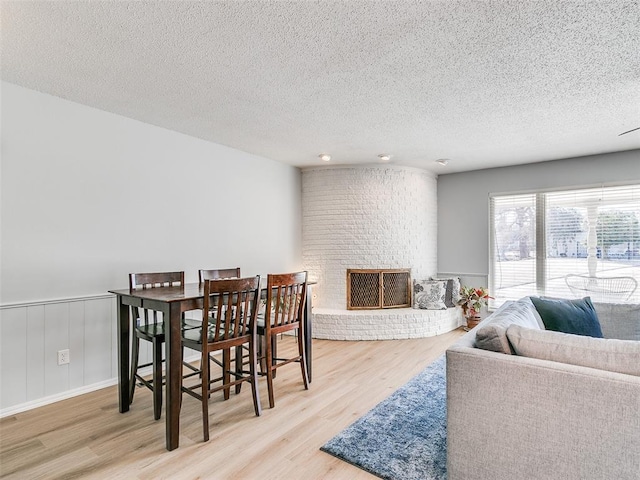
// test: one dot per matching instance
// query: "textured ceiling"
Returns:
(482, 83)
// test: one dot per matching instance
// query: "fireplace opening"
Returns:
(372, 289)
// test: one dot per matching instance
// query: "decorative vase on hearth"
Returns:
(472, 320)
(472, 299)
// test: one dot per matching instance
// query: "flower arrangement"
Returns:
(472, 299)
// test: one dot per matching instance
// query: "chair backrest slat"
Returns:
(153, 280)
(286, 295)
(235, 302)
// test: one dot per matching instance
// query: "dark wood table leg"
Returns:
(173, 346)
(307, 330)
(123, 355)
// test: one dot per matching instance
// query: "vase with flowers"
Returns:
(472, 299)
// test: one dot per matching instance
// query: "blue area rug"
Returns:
(405, 436)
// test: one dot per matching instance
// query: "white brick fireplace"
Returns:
(378, 216)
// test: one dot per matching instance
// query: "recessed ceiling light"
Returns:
(384, 157)
(325, 157)
(442, 161)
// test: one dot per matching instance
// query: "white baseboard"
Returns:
(41, 402)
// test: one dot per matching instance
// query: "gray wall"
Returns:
(463, 202)
(89, 197)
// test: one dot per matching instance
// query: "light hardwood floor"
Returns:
(86, 437)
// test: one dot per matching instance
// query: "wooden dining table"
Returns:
(172, 302)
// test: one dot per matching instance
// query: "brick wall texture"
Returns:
(390, 324)
(366, 217)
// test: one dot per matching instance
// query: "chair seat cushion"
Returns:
(195, 334)
(151, 329)
(260, 323)
(191, 323)
(157, 329)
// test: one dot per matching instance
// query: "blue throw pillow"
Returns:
(569, 316)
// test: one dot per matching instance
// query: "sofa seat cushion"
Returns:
(492, 335)
(622, 356)
(568, 316)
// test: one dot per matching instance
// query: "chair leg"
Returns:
(253, 369)
(269, 372)
(181, 376)
(157, 378)
(274, 352)
(226, 366)
(261, 359)
(205, 396)
(239, 367)
(135, 353)
(303, 360)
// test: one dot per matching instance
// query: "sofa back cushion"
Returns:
(568, 316)
(622, 356)
(619, 320)
(492, 335)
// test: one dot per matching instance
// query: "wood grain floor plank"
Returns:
(86, 437)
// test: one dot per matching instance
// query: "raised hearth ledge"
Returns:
(386, 324)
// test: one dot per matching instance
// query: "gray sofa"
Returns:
(511, 416)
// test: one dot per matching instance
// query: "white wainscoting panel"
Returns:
(13, 370)
(31, 336)
(56, 337)
(34, 351)
(100, 341)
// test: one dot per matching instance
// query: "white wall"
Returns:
(366, 217)
(88, 197)
(463, 202)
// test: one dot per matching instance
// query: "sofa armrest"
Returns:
(515, 417)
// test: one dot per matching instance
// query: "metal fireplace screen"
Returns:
(372, 289)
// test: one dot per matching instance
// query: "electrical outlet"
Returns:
(63, 357)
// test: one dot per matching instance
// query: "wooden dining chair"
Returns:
(148, 327)
(235, 303)
(284, 310)
(221, 274)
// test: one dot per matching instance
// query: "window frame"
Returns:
(541, 261)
